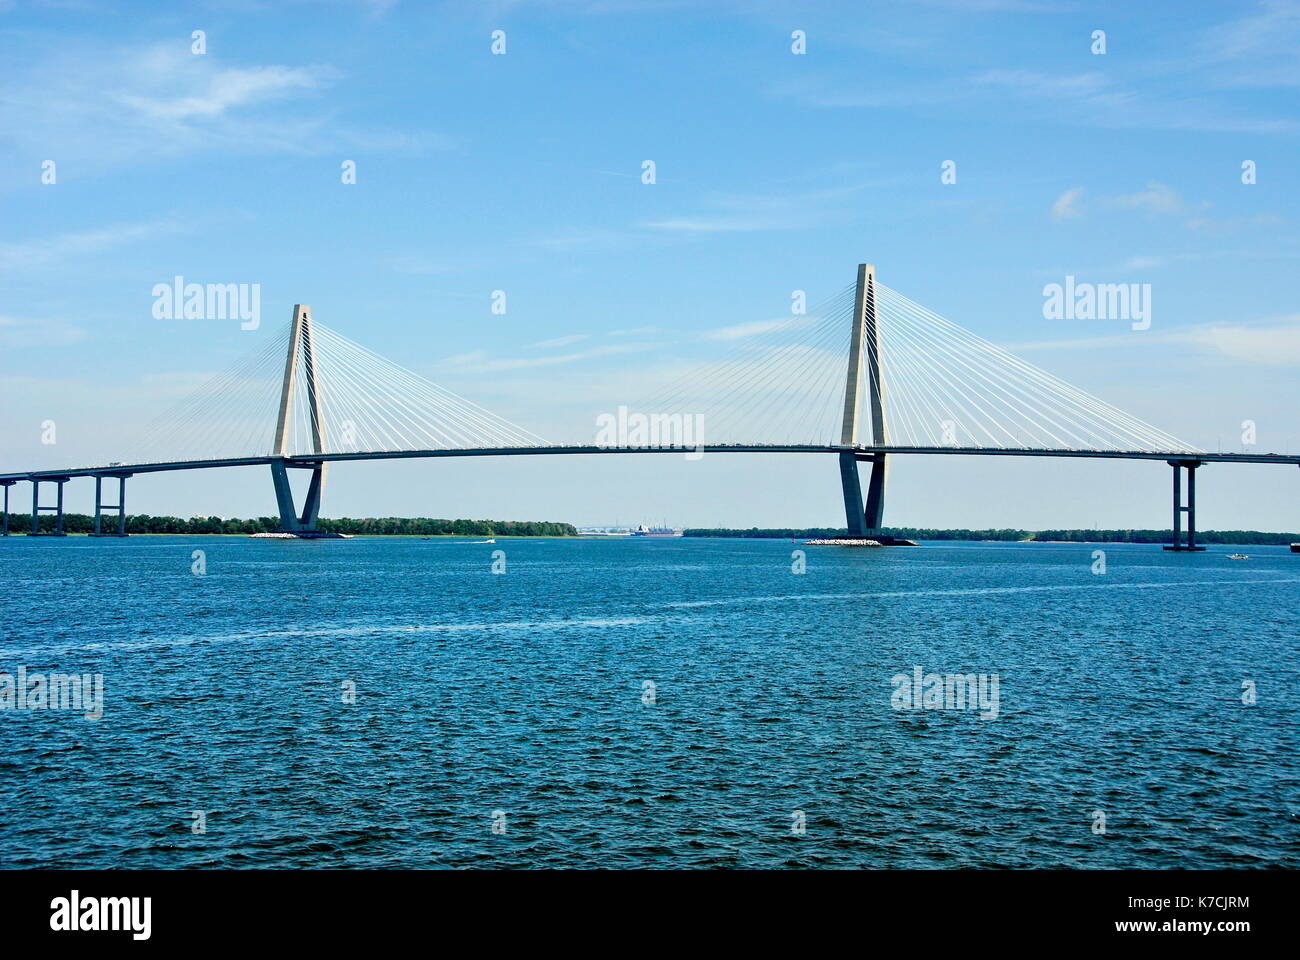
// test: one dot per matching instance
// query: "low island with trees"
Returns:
(140, 523)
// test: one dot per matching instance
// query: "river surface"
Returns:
(665, 703)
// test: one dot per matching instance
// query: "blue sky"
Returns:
(775, 172)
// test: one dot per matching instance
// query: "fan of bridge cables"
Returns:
(783, 382)
(365, 403)
(944, 386)
(369, 403)
(775, 381)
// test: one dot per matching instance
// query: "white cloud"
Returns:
(1067, 204)
(224, 89)
(477, 361)
(1258, 49)
(750, 212)
(58, 249)
(1270, 343)
(1156, 198)
(15, 333)
(92, 109)
(559, 341)
(1096, 99)
(1216, 225)
(741, 331)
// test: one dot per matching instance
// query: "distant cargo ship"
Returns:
(644, 531)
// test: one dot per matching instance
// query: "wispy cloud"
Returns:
(1089, 98)
(559, 341)
(16, 333)
(221, 91)
(88, 108)
(63, 247)
(1067, 206)
(1156, 198)
(478, 361)
(1270, 343)
(727, 213)
(1257, 49)
(742, 331)
(1221, 225)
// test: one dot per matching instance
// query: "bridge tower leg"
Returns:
(1181, 508)
(301, 343)
(864, 364)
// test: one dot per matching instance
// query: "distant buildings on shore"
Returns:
(641, 530)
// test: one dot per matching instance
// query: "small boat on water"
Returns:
(1295, 548)
(493, 540)
(1238, 556)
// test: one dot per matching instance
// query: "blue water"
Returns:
(516, 699)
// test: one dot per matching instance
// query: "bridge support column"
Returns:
(854, 515)
(101, 506)
(1181, 508)
(862, 520)
(290, 520)
(284, 497)
(875, 509)
(57, 510)
(311, 506)
(6, 484)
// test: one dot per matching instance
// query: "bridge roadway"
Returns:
(861, 450)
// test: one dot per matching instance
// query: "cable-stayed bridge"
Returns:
(867, 375)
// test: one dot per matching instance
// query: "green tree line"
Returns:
(366, 526)
(1258, 537)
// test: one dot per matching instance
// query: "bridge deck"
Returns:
(864, 451)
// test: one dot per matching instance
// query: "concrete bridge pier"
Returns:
(291, 521)
(874, 513)
(1181, 508)
(854, 514)
(101, 506)
(6, 484)
(863, 518)
(57, 510)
